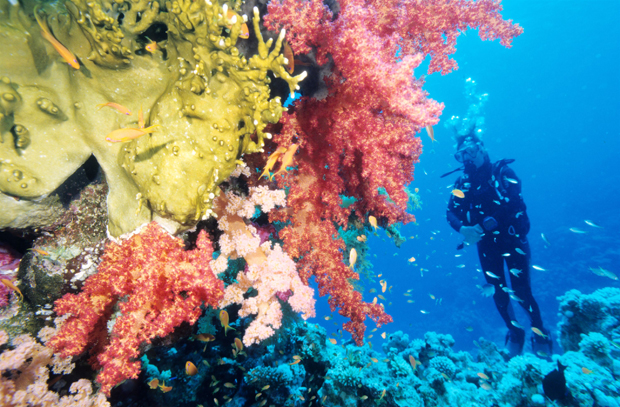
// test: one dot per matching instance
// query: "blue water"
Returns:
(554, 107)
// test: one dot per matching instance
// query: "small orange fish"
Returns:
(271, 161)
(333, 341)
(120, 108)
(414, 363)
(153, 384)
(458, 193)
(245, 31)
(352, 258)
(190, 368)
(229, 385)
(151, 46)
(586, 370)
(375, 360)
(290, 58)
(164, 388)
(224, 321)
(411, 260)
(12, 286)
(265, 387)
(126, 134)
(383, 335)
(140, 118)
(295, 362)
(539, 332)
(61, 49)
(382, 394)
(238, 344)
(373, 221)
(361, 238)
(41, 252)
(486, 386)
(287, 159)
(205, 337)
(431, 133)
(482, 376)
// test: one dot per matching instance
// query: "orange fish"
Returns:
(361, 238)
(153, 384)
(205, 337)
(486, 386)
(12, 286)
(122, 109)
(383, 335)
(586, 370)
(373, 221)
(411, 260)
(245, 31)
(41, 252)
(271, 161)
(190, 368)
(287, 159)
(431, 133)
(61, 49)
(126, 134)
(352, 258)
(414, 363)
(482, 376)
(151, 46)
(238, 344)
(224, 321)
(458, 193)
(539, 332)
(333, 341)
(140, 118)
(164, 388)
(288, 54)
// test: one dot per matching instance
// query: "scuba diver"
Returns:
(487, 208)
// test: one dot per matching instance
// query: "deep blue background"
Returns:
(554, 107)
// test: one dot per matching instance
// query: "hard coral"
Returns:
(210, 102)
(164, 285)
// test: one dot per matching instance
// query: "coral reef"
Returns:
(187, 106)
(585, 313)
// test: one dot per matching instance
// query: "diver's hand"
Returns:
(472, 234)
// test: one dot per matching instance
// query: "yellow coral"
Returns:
(211, 102)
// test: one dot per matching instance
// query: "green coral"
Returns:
(211, 103)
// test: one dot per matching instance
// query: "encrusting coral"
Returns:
(211, 104)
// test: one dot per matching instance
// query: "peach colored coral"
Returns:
(24, 377)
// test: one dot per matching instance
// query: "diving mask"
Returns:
(467, 153)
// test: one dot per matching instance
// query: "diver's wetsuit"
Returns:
(496, 192)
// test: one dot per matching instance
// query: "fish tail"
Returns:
(150, 129)
(41, 23)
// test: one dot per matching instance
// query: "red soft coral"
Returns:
(361, 138)
(161, 285)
